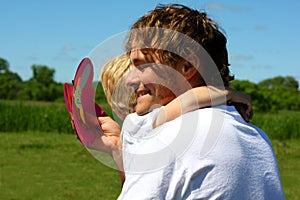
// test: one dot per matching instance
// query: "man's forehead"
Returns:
(150, 37)
(161, 39)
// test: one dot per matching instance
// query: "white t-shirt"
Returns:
(210, 153)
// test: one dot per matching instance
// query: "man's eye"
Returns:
(147, 51)
(143, 67)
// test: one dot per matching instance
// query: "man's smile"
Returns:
(142, 92)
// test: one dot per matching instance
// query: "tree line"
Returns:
(278, 93)
(40, 87)
(273, 94)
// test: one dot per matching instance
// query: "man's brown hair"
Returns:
(194, 24)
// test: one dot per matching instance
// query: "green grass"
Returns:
(288, 155)
(52, 166)
(56, 166)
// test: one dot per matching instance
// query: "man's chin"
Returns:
(141, 112)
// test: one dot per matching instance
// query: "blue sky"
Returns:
(263, 35)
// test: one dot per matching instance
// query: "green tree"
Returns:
(273, 94)
(260, 100)
(10, 82)
(287, 82)
(283, 91)
(4, 66)
(43, 74)
(42, 86)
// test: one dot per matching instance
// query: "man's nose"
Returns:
(133, 78)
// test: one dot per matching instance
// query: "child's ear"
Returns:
(189, 68)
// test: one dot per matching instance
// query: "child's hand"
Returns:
(242, 103)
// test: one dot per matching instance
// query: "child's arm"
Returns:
(201, 97)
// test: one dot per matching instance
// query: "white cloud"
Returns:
(235, 8)
(260, 28)
(240, 57)
(214, 6)
(262, 66)
(68, 48)
(32, 58)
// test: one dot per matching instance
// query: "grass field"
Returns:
(56, 166)
(52, 166)
(288, 155)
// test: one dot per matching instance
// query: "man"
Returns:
(209, 153)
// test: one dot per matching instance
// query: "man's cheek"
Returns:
(150, 78)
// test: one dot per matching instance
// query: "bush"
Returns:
(34, 116)
(54, 117)
(20, 116)
(279, 125)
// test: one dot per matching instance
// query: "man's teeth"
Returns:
(142, 93)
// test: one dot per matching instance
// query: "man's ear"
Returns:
(189, 68)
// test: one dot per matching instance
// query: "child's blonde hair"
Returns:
(120, 97)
